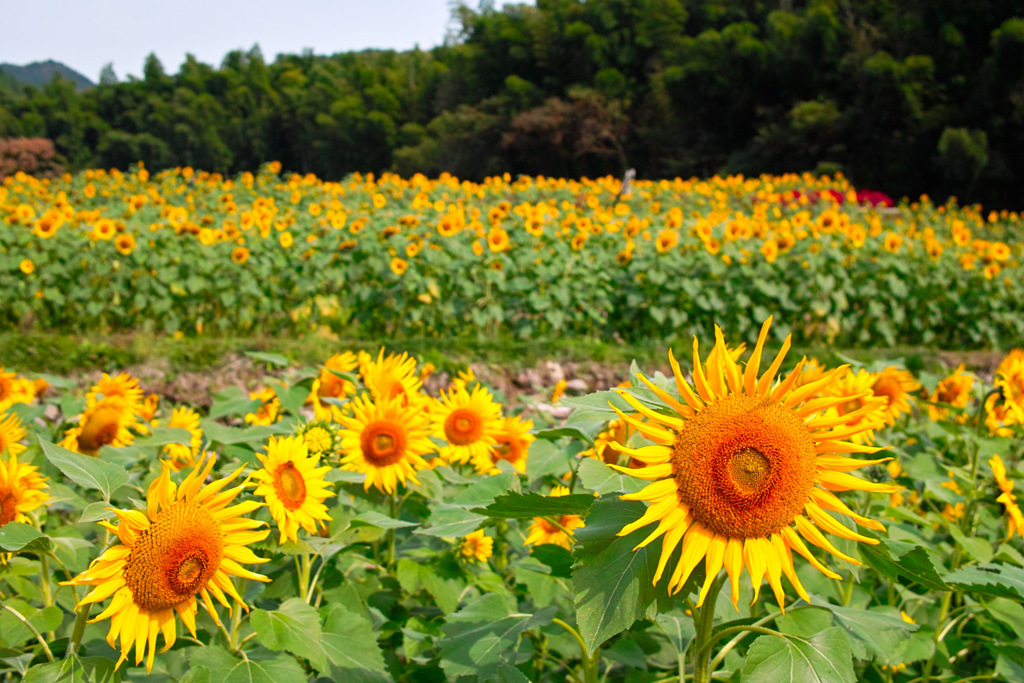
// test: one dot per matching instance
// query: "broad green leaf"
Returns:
(1008, 612)
(824, 658)
(883, 634)
(601, 479)
(352, 647)
(163, 436)
(232, 401)
(895, 558)
(529, 505)
(557, 558)
(90, 473)
(977, 548)
(547, 458)
(293, 627)
(68, 670)
(613, 582)
(269, 358)
(94, 512)
(1002, 580)
(16, 536)
(451, 521)
(414, 576)
(224, 668)
(14, 632)
(381, 521)
(483, 635)
(482, 493)
(678, 627)
(221, 434)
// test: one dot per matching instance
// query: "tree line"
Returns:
(903, 96)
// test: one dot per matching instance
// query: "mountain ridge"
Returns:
(38, 74)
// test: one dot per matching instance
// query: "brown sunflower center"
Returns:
(744, 466)
(503, 451)
(175, 557)
(463, 427)
(100, 429)
(888, 387)
(383, 443)
(290, 486)
(7, 507)
(850, 406)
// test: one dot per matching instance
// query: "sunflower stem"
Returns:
(37, 634)
(590, 662)
(79, 629)
(304, 566)
(703, 622)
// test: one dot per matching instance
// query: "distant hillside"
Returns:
(39, 74)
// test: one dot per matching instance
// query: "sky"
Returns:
(87, 34)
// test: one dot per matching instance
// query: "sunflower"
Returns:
(391, 377)
(270, 406)
(188, 542)
(739, 463)
(1015, 519)
(14, 389)
(386, 439)
(123, 387)
(11, 432)
(954, 390)
(21, 488)
(1009, 379)
(477, 546)
(240, 255)
(896, 386)
(330, 385)
(27, 266)
(468, 422)
(543, 530)
(293, 487)
(107, 423)
(181, 455)
(513, 441)
(125, 244)
(856, 389)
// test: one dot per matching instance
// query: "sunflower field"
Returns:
(738, 517)
(186, 252)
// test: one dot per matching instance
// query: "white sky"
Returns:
(86, 34)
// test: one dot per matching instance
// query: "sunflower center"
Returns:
(888, 387)
(503, 451)
(849, 406)
(463, 427)
(100, 430)
(383, 443)
(290, 486)
(175, 557)
(7, 508)
(744, 466)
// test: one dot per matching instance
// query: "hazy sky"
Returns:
(86, 34)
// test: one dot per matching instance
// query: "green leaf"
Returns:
(977, 548)
(269, 358)
(93, 512)
(90, 473)
(825, 658)
(483, 635)
(451, 521)
(227, 436)
(883, 634)
(415, 575)
(601, 479)
(381, 521)
(483, 492)
(895, 558)
(16, 536)
(1008, 612)
(69, 670)
(557, 558)
(547, 458)
(678, 627)
(613, 582)
(223, 668)
(1002, 580)
(162, 436)
(293, 627)
(529, 505)
(352, 647)
(14, 632)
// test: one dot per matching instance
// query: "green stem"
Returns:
(590, 662)
(37, 634)
(79, 629)
(704, 621)
(946, 599)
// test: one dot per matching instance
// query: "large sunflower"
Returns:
(385, 439)
(744, 471)
(21, 489)
(468, 422)
(188, 542)
(293, 487)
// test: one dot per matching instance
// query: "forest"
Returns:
(902, 96)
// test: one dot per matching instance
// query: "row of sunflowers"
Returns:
(348, 524)
(191, 252)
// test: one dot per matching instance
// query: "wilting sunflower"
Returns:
(11, 432)
(107, 423)
(543, 530)
(743, 469)
(954, 390)
(477, 546)
(188, 542)
(468, 422)
(896, 386)
(22, 488)
(181, 455)
(390, 377)
(385, 439)
(293, 487)
(512, 444)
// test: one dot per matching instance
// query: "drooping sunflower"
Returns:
(293, 487)
(468, 422)
(386, 439)
(187, 543)
(544, 531)
(11, 433)
(896, 386)
(181, 455)
(22, 488)
(512, 444)
(477, 546)
(744, 471)
(954, 390)
(107, 423)
(391, 377)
